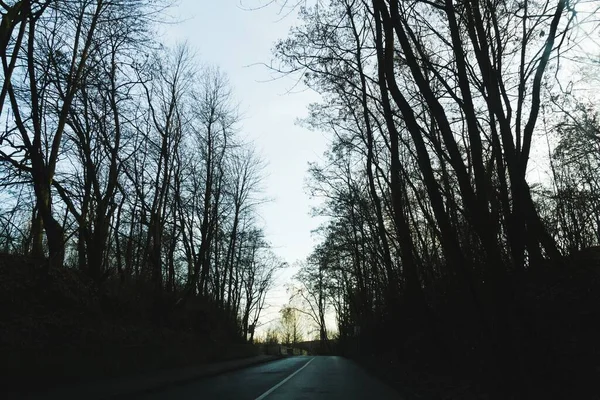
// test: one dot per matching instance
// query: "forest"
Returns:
(129, 193)
(460, 187)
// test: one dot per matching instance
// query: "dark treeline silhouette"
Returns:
(438, 249)
(121, 160)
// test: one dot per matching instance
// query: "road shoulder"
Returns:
(124, 387)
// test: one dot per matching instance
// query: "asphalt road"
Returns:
(291, 378)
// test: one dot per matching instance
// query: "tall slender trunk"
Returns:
(381, 238)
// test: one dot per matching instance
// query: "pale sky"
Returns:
(226, 34)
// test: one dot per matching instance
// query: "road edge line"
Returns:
(268, 392)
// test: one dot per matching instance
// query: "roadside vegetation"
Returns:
(460, 188)
(129, 231)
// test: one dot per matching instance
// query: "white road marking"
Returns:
(268, 392)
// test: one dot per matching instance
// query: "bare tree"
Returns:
(291, 328)
(312, 294)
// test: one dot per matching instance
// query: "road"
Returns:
(291, 378)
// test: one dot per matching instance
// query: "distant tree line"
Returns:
(436, 109)
(123, 158)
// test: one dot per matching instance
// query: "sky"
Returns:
(237, 36)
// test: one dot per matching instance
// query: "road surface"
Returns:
(291, 378)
